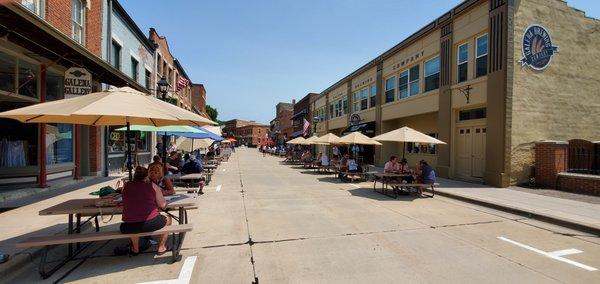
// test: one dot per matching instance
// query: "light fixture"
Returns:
(163, 86)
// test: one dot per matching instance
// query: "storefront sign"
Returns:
(78, 81)
(537, 48)
(355, 119)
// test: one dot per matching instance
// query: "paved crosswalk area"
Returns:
(262, 220)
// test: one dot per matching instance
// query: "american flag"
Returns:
(182, 83)
(305, 126)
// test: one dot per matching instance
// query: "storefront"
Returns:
(363, 153)
(140, 148)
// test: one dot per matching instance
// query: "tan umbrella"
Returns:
(297, 140)
(327, 139)
(407, 134)
(214, 129)
(117, 106)
(188, 144)
(309, 140)
(357, 138)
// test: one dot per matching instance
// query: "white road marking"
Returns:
(218, 188)
(184, 276)
(356, 186)
(224, 169)
(556, 255)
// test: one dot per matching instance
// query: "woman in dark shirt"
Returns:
(142, 201)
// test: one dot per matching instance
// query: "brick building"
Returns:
(303, 111)
(281, 126)
(230, 126)
(43, 40)
(252, 134)
(199, 99)
(489, 77)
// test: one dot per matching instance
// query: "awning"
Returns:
(367, 129)
(26, 29)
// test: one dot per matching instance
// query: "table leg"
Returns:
(181, 220)
(78, 228)
(70, 231)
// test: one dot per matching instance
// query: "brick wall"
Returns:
(58, 14)
(550, 160)
(584, 184)
(93, 28)
(95, 149)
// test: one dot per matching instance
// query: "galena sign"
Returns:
(78, 81)
(537, 48)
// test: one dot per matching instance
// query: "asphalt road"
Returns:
(261, 220)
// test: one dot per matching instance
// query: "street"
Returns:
(272, 223)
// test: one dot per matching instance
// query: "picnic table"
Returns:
(86, 207)
(210, 168)
(195, 178)
(393, 179)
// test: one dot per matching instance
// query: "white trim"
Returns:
(488, 46)
(118, 40)
(135, 56)
(458, 63)
(18, 180)
(60, 175)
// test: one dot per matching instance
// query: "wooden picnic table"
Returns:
(384, 179)
(210, 168)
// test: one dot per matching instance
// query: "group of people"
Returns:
(423, 173)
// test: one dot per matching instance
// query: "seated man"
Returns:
(392, 166)
(405, 170)
(191, 166)
(426, 174)
(343, 166)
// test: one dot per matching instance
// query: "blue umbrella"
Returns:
(202, 135)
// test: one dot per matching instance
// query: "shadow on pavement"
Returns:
(371, 194)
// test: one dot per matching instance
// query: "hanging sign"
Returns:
(537, 48)
(355, 119)
(78, 81)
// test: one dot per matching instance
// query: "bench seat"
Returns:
(97, 236)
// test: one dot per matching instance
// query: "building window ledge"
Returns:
(412, 98)
(469, 82)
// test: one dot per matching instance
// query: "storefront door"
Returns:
(470, 152)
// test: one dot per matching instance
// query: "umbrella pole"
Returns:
(403, 149)
(192, 150)
(128, 140)
(164, 158)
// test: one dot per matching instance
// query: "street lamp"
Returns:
(316, 120)
(163, 88)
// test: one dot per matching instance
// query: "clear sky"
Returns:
(251, 54)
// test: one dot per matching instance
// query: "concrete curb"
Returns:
(572, 224)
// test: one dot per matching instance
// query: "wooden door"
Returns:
(478, 151)
(463, 152)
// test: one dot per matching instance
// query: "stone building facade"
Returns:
(466, 79)
(252, 135)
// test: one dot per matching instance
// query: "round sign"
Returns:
(537, 48)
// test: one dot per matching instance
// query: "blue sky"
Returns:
(252, 54)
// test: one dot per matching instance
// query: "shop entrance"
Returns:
(470, 152)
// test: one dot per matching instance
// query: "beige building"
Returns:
(489, 77)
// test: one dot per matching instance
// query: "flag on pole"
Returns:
(182, 83)
(306, 126)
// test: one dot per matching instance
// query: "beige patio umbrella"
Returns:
(188, 144)
(309, 140)
(407, 134)
(326, 139)
(296, 141)
(117, 106)
(357, 138)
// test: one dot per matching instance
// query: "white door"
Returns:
(470, 152)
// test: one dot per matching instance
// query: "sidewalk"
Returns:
(569, 213)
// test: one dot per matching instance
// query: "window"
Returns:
(139, 140)
(373, 96)
(339, 107)
(18, 141)
(414, 81)
(470, 114)
(18, 76)
(481, 60)
(115, 58)
(8, 74)
(403, 85)
(134, 69)
(422, 148)
(390, 89)
(331, 114)
(361, 100)
(35, 6)
(78, 16)
(463, 62)
(356, 101)
(432, 74)
(148, 79)
(28, 79)
(159, 64)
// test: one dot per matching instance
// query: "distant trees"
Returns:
(212, 113)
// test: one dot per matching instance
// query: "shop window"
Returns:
(18, 141)
(482, 54)
(8, 76)
(59, 143)
(470, 114)
(390, 89)
(422, 148)
(432, 74)
(117, 141)
(115, 58)
(134, 69)
(35, 6)
(148, 79)
(413, 78)
(28, 79)
(373, 96)
(78, 19)
(356, 101)
(463, 62)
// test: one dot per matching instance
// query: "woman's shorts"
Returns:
(154, 224)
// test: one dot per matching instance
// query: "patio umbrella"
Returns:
(309, 140)
(407, 134)
(296, 141)
(357, 138)
(189, 144)
(117, 106)
(327, 139)
(170, 128)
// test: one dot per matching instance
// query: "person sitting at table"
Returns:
(353, 166)
(173, 163)
(343, 166)
(405, 170)
(142, 201)
(306, 158)
(191, 165)
(156, 176)
(392, 166)
(324, 160)
(425, 174)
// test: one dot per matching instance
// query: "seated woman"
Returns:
(405, 170)
(353, 166)
(142, 201)
(425, 174)
(157, 177)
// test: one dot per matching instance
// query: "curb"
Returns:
(583, 227)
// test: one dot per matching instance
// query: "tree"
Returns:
(212, 112)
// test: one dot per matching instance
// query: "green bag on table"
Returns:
(104, 191)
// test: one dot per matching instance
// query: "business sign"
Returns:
(78, 81)
(355, 119)
(537, 48)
